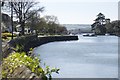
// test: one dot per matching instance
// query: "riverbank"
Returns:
(33, 41)
(24, 44)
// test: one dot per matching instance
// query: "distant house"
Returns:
(78, 28)
(26, 30)
(6, 23)
(74, 31)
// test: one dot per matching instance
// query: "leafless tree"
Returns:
(22, 10)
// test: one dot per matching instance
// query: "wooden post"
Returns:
(119, 10)
(12, 18)
(119, 43)
(0, 34)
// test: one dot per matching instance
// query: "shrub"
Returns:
(8, 34)
(4, 36)
(16, 60)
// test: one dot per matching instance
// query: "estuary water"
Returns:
(88, 57)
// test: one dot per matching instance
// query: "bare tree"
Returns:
(33, 21)
(22, 10)
(51, 19)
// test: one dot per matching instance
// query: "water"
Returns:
(88, 57)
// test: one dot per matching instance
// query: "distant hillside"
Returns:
(82, 27)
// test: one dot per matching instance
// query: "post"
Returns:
(12, 18)
(0, 34)
(118, 43)
(119, 10)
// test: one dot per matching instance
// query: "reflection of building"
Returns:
(6, 23)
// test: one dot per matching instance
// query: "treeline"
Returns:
(113, 27)
(103, 25)
(28, 18)
(45, 25)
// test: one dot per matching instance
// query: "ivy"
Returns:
(20, 58)
(17, 60)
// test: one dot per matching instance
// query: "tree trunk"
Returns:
(22, 26)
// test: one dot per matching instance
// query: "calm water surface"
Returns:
(88, 57)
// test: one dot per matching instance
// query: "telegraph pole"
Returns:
(0, 33)
(119, 10)
(119, 43)
(12, 18)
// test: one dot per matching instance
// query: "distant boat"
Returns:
(89, 35)
(107, 34)
(85, 34)
(92, 35)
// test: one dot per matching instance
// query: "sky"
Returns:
(80, 11)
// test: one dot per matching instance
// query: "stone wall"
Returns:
(33, 41)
